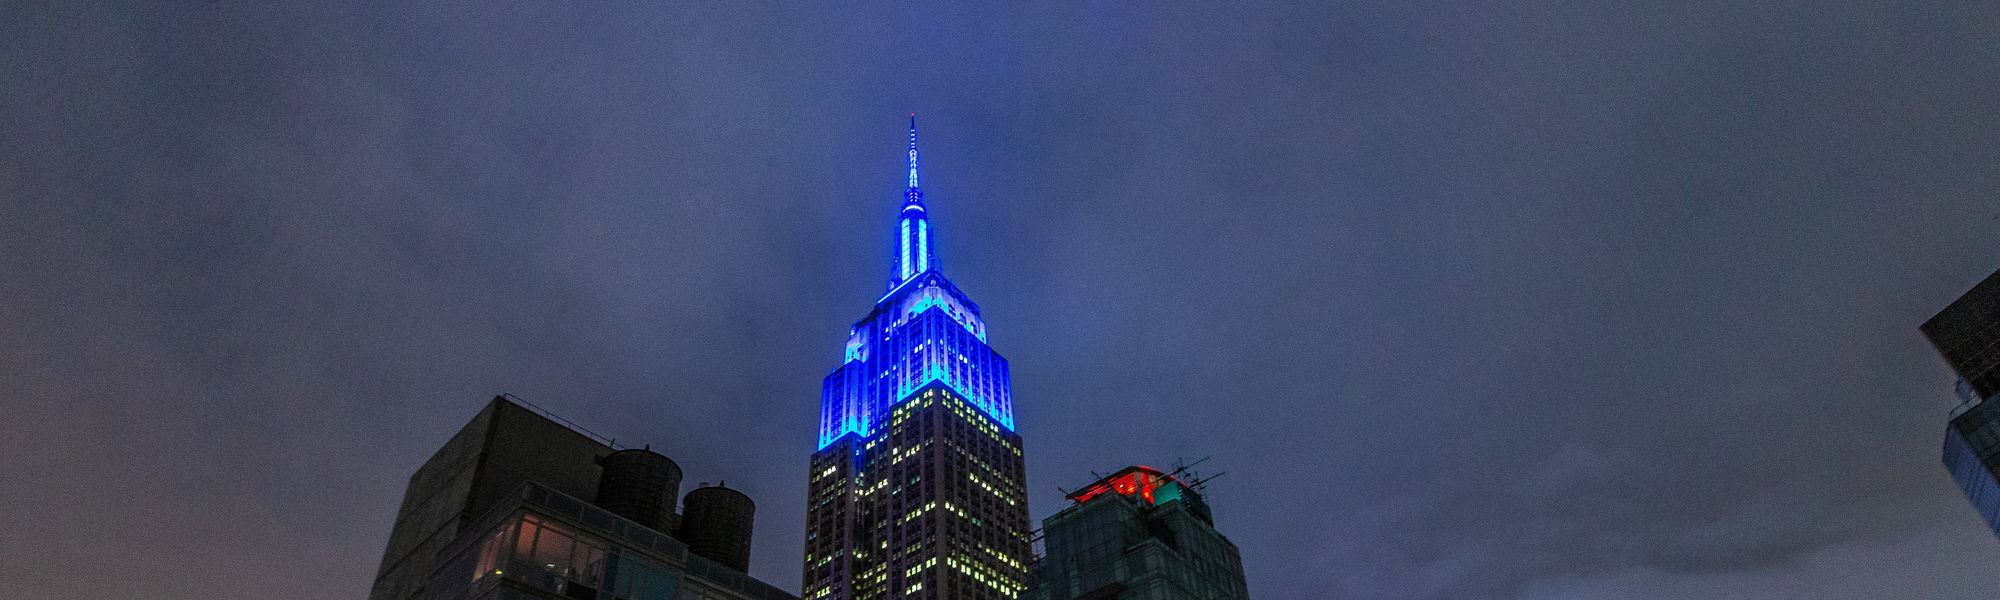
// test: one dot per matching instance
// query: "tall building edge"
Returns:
(918, 488)
(1966, 334)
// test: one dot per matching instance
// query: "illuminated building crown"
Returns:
(922, 332)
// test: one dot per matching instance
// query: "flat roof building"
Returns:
(1139, 534)
(510, 508)
(1967, 335)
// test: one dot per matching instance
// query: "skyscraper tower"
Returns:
(918, 488)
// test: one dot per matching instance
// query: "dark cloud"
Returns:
(1470, 300)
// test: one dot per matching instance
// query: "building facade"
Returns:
(918, 489)
(519, 506)
(1967, 335)
(1139, 534)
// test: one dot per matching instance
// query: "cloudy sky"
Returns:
(1469, 300)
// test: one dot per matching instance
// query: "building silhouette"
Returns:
(1138, 534)
(519, 506)
(1967, 335)
(918, 488)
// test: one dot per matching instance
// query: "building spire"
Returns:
(913, 156)
(912, 255)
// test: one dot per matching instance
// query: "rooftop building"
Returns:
(1967, 335)
(519, 506)
(1139, 534)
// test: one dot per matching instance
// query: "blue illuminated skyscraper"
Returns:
(918, 488)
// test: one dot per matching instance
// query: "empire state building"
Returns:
(918, 488)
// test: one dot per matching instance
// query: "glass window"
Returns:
(665, 586)
(552, 550)
(695, 592)
(626, 576)
(587, 564)
(524, 544)
(489, 552)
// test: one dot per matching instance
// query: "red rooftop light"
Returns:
(1137, 480)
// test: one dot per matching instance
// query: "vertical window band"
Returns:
(905, 237)
(923, 245)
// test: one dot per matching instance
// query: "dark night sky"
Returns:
(1480, 300)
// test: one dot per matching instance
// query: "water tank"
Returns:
(639, 485)
(715, 524)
